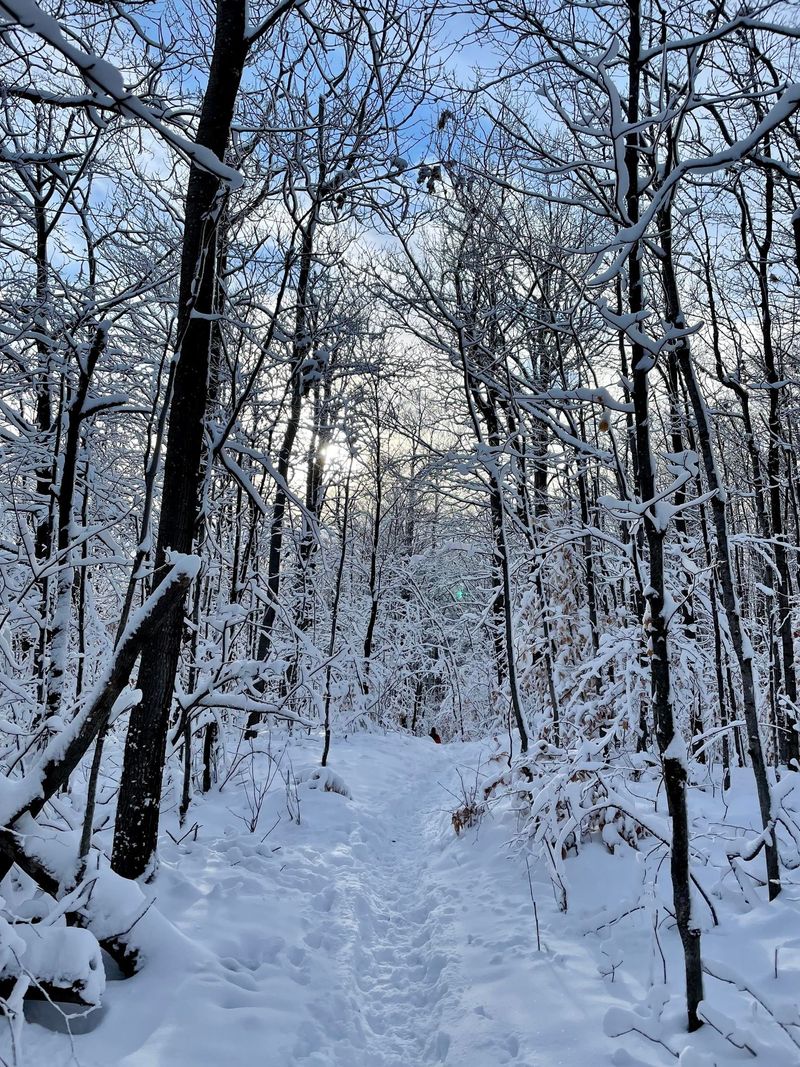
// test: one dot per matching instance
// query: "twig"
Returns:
(535, 911)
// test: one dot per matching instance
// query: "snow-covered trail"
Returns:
(440, 962)
(421, 945)
(368, 935)
(389, 927)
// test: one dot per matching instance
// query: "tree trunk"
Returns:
(730, 600)
(136, 830)
(670, 745)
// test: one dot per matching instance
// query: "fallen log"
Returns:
(45, 991)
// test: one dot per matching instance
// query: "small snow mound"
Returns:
(691, 1057)
(328, 781)
(618, 1021)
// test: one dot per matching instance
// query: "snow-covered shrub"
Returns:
(562, 800)
(328, 781)
(256, 771)
(471, 807)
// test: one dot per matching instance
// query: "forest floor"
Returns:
(370, 935)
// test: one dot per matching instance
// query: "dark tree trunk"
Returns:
(136, 829)
(730, 600)
(44, 427)
(787, 735)
(58, 638)
(335, 622)
(375, 540)
(669, 743)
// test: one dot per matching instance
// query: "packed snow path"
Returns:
(368, 935)
(431, 937)
(388, 927)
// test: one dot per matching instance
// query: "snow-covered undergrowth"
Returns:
(599, 829)
(336, 919)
